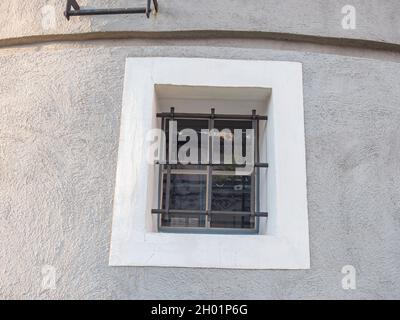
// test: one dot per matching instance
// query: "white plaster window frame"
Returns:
(285, 242)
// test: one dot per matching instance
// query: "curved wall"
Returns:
(60, 105)
(377, 21)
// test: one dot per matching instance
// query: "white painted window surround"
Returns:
(151, 84)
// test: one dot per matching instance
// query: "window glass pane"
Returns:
(181, 221)
(232, 221)
(196, 125)
(188, 192)
(188, 185)
(227, 139)
(231, 193)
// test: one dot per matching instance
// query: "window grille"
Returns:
(208, 196)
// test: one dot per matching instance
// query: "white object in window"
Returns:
(150, 84)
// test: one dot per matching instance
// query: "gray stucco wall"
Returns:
(60, 106)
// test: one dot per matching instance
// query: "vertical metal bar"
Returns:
(161, 166)
(265, 153)
(257, 142)
(160, 173)
(253, 180)
(257, 137)
(148, 8)
(170, 141)
(168, 186)
(209, 168)
(168, 190)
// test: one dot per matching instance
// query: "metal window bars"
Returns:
(77, 11)
(212, 116)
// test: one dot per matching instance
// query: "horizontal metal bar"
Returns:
(205, 213)
(235, 165)
(261, 165)
(204, 172)
(213, 230)
(209, 116)
(179, 212)
(93, 12)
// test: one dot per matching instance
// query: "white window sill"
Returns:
(212, 251)
(285, 242)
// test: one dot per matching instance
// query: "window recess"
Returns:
(192, 85)
(211, 196)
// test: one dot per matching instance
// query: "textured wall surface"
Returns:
(377, 20)
(60, 106)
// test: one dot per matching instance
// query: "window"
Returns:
(208, 193)
(233, 88)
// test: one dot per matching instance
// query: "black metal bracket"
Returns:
(77, 11)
